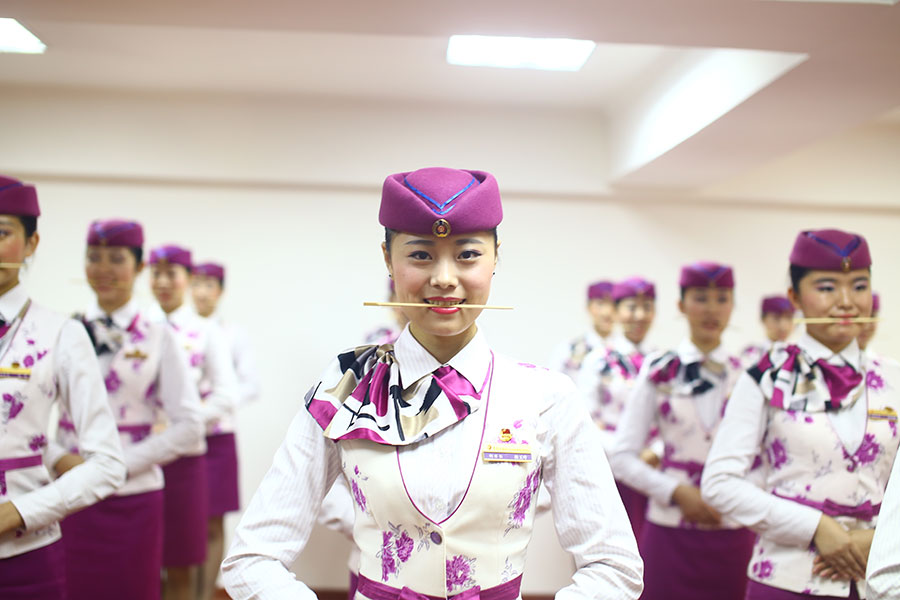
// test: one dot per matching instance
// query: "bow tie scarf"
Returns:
(840, 380)
(367, 400)
(700, 375)
(105, 335)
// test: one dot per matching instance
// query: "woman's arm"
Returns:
(590, 520)
(181, 404)
(725, 485)
(281, 515)
(82, 394)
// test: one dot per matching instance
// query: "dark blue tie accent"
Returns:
(692, 376)
(843, 253)
(11, 186)
(439, 208)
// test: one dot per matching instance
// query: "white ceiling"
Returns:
(683, 110)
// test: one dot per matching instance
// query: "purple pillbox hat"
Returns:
(18, 199)
(600, 290)
(876, 304)
(440, 201)
(171, 254)
(831, 250)
(210, 269)
(777, 305)
(706, 275)
(633, 287)
(116, 232)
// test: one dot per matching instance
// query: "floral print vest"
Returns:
(28, 389)
(686, 440)
(483, 541)
(131, 386)
(804, 459)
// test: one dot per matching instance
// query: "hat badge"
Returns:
(441, 228)
(845, 264)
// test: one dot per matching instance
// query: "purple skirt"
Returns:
(114, 548)
(222, 471)
(761, 591)
(695, 563)
(636, 507)
(184, 511)
(36, 575)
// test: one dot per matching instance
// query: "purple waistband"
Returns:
(23, 462)
(691, 467)
(142, 428)
(379, 591)
(864, 512)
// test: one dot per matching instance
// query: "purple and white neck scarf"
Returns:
(361, 396)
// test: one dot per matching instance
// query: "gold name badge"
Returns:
(518, 453)
(15, 372)
(885, 414)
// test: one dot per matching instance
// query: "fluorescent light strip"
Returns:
(15, 38)
(547, 54)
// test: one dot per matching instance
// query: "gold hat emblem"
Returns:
(845, 264)
(441, 228)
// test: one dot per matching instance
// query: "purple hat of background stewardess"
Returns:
(115, 232)
(17, 198)
(831, 250)
(440, 201)
(600, 290)
(777, 305)
(707, 275)
(633, 287)
(876, 304)
(210, 269)
(175, 255)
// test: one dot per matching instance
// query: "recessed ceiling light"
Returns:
(15, 38)
(549, 54)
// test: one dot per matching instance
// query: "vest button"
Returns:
(436, 538)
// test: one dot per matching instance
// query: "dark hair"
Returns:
(683, 290)
(138, 254)
(390, 233)
(30, 225)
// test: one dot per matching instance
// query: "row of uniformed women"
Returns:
(139, 410)
(801, 454)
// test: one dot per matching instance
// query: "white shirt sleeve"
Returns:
(638, 419)
(883, 573)
(245, 367)
(82, 394)
(337, 511)
(218, 370)
(588, 380)
(590, 519)
(726, 487)
(281, 515)
(181, 404)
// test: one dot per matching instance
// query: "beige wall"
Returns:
(287, 194)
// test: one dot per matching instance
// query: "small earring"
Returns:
(494, 273)
(390, 275)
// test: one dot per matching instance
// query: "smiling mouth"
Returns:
(444, 303)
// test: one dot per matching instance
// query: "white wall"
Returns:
(295, 220)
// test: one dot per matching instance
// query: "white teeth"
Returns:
(443, 303)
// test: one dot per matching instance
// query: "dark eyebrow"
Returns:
(825, 280)
(464, 241)
(862, 278)
(421, 242)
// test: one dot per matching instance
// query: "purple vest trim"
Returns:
(864, 512)
(379, 591)
(11, 464)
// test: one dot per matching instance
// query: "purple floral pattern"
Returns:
(112, 381)
(28, 361)
(763, 569)
(460, 571)
(37, 442)
(197, 359)
(777, 454)
(522, 500)
(866, 453)
(874, 381)
(388, 563)
(14, 404)
(404, 545)
(396, 548)
(358, 496)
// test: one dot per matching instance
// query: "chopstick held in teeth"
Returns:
(425, 305)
